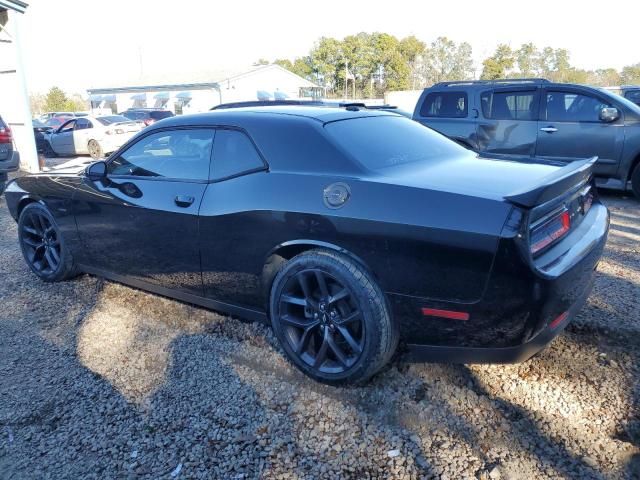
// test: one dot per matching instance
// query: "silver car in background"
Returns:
(96, 136)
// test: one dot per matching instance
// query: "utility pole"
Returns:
(346, 77)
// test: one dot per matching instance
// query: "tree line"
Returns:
(368, 64)
(56, 100)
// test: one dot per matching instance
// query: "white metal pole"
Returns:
(27, 146)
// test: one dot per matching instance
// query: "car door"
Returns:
(81, 133)
(62, 140)
(231, 239)
(507, 122)
(141, 220)
(570, 128)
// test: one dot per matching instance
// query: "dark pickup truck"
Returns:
(536, 118)
(9, 158)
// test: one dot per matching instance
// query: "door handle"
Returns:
(549, 129)
(184, 201)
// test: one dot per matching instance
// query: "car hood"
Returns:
(486, 177)
(76, 168)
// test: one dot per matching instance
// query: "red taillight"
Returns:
(148, 121)
(5, 135)
(549, 231)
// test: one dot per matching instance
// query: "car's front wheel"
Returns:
(95, 150)
(331, 318)
(42, 244)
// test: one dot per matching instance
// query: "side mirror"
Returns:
(96, 171)
(609, 114)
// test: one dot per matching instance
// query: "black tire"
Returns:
(43, 246)
(310, 319)
(3, 185)
(95, 150)
(635, 181)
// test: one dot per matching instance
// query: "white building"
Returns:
(264, 82)
(14, 98)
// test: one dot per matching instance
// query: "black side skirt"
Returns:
(242, 312)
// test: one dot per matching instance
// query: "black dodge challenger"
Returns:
(349, 230)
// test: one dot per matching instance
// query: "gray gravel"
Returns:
(98, 380)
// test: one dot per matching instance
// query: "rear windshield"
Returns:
(108, 120)
(159, 115)
(380, 143)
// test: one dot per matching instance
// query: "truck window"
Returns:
(573, 107)
(519, 105)
(445, 104)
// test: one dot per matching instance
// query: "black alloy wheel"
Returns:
(42, 244)
(331, 318)
(324, 325)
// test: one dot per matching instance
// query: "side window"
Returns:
(573, 107)
(82, 123)
(445, 104)
(178, 154)
(633, 95)
(520, 105)
(233, 154)
(68, 127)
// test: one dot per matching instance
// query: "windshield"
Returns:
(380, 143)
(108, 120)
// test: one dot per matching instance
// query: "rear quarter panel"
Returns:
(462, 130)
(416, 242)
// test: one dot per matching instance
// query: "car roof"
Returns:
(237, 115)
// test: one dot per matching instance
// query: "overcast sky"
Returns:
(78, 44)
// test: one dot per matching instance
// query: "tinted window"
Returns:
(68, 127)
(573, 107)
(445, 104)
(378, 143)
(181, 154)
(633, 95)
(233, 154)
(159, 115)
(109, 119)
(519, 105)
(82, 123)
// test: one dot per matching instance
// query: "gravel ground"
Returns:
(98, 380)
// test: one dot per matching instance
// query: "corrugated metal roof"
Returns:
(16, 5)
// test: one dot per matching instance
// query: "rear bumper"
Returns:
(11, 164)
(514, 354)
(516, 317)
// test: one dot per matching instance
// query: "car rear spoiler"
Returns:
(554, 185)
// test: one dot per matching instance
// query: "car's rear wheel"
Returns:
(42, 244)
(635, 181)
(95, 150)
(331, 318)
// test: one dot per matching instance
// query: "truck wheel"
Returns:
(635, 181)
(331, 318)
